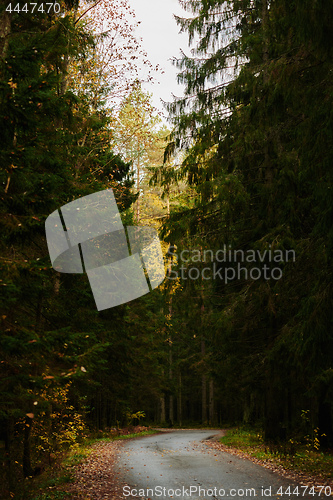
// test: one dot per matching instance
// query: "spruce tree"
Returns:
(255, 130)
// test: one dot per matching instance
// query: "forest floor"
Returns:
(90, 473)
(96, 478)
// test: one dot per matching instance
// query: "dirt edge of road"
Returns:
(294, 475)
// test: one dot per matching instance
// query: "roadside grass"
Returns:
(128, 436)
(51, 484)
(291, 455)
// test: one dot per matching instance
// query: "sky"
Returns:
(162, 41)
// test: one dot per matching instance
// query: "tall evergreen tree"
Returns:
(55, 148)
(257, 88)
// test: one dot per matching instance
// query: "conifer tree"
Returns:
(55, 148)
(255, 87)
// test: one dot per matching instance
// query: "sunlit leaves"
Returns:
(116, 60)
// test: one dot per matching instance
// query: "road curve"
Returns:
(179, 465)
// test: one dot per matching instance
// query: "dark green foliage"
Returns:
(259, 145)
(55, 147)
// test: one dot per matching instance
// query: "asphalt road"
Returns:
(179, 465)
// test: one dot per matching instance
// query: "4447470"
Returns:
(44, 7)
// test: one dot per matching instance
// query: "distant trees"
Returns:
(135, 128)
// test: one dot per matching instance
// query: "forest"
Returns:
(239, 188)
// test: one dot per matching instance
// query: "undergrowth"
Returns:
(47, 486)
(294, 455)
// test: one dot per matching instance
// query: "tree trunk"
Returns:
(138, 188)
(6, 432)
(211, 403)
(5, 29)
(265, 51)
(203, 389)
(27, 469)
(275, 396)
(168, 201)
(171, 417)
(162, 406)
(204, 399)
(65, 67)
(171, 412)
(179, 402)
(268, 172)
(325, 419)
